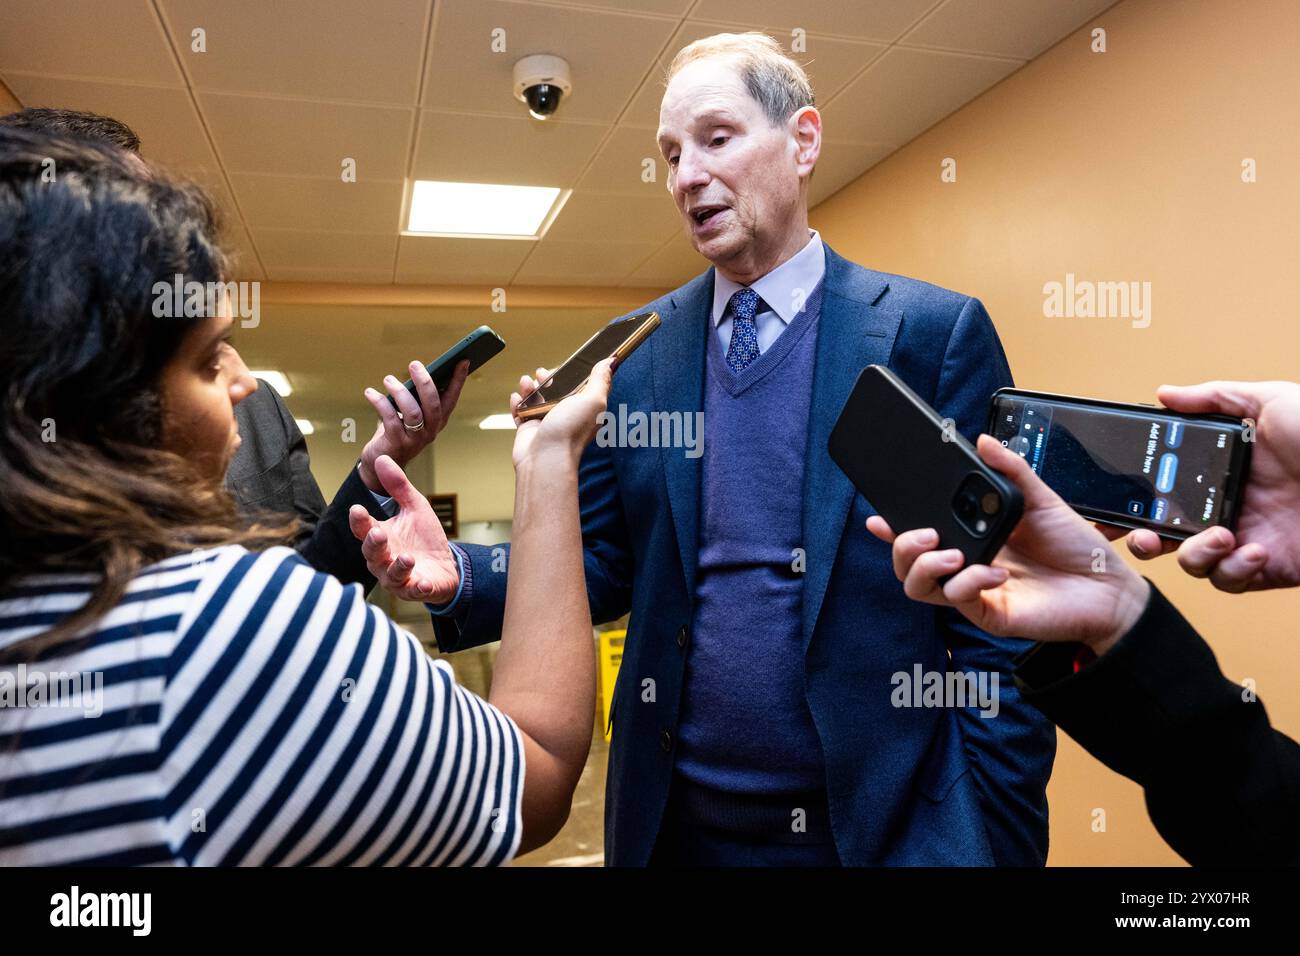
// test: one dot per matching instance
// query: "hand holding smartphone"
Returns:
(478, 347)
(570, 425)
(615, 341)
(917, 471)
(1133, 466)
(1045, 583)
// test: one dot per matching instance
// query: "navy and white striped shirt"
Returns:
(254, 712)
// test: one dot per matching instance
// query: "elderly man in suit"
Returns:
(754, 719)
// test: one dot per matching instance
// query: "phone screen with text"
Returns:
(1149, 468)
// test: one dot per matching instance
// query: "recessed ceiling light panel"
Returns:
(482, 210)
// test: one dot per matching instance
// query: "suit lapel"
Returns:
(678, 355)
(852, 333)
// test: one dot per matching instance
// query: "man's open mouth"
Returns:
(702, 214)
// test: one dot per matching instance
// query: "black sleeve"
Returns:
(326, 542)
(308, 501)
(1222, 787)
(280, 480)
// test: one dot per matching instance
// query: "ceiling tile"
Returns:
(502, 149)
(107, 39)
(294, 249)
(554, 262)
(621, 166)
(214, 184)
(369, 276)
(597, 217)
(245, 264)
(675, 263)
(318, 205)
(213, 180)
(829, 63)
(874, 107)
(674, 8)
(877, 20)
(1017, 28)
(164, 119)
(609, 54)
(233, 233)
(433, 260)
(840, 164)
(307, 138)
(332, 49)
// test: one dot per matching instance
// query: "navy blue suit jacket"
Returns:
(911, 786)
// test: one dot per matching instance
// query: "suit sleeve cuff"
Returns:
(459, 604)
(387, 505)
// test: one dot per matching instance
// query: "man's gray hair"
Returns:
(773, 78)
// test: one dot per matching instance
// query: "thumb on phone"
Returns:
(1238, 399)
(1006, 462)
(600, 380)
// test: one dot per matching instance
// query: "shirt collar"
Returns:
(802, 271)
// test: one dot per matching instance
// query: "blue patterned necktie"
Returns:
(744, 331)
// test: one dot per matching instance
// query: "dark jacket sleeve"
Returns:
(308, 501)
(1011, 754)
(326, 542)
(480, 611)
(1222, 786)
(271, 474)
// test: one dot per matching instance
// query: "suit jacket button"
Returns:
(682, 637)
(665, 741)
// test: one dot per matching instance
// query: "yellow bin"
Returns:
(611, 655)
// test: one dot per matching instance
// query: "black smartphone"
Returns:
(1135, 466)
(617, 340)
(479, 346)
(918, 471)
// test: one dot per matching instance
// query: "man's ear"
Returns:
(806, 126)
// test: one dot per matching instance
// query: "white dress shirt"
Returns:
(783, 291)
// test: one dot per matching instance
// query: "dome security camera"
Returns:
(541, 81)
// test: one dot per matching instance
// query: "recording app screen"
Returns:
(1138, 465)
(576, 371)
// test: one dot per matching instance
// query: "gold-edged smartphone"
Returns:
(617, 340)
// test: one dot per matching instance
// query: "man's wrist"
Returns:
(366, 470)
(452, 607)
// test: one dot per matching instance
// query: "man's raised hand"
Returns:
(408, 554)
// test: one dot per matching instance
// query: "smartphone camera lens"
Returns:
(975, 502)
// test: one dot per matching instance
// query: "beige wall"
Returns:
(1123, 165)
(8, 102)
(476, 465)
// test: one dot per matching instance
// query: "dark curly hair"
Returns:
(75, 124)
(85, 232)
